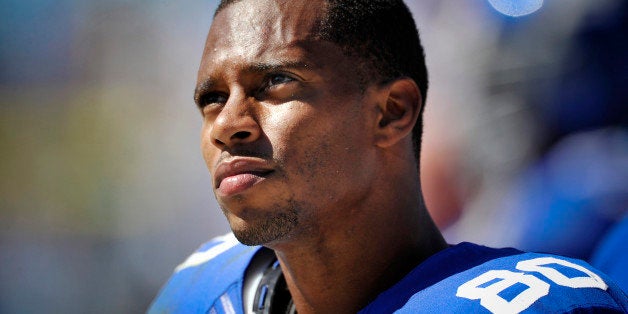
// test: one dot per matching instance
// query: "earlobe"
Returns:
(399, 112)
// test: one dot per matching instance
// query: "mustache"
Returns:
(245, 152)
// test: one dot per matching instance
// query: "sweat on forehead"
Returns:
(318, 3)
(294, 19)
(292, 10)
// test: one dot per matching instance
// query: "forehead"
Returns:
(269, 18)
(251, 31)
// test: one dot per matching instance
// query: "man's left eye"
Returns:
(277, 86)
(277, 79)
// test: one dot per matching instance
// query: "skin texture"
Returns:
(306, 162)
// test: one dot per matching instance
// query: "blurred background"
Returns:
(103, 190)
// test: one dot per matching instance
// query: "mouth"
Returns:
(238, 175)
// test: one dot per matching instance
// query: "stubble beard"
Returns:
(267, 228)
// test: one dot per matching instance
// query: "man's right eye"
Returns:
(212, 99)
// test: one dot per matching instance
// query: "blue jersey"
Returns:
(465, 278)
(611, 255)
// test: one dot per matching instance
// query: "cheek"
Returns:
(315, 148)
(295, 130)
(207, 148)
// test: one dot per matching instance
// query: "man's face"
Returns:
(286, 131)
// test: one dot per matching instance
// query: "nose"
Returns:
(236, 123)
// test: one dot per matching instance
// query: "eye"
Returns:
(212, 99)
(277, 79)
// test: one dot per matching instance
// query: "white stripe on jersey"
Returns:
(198, 258)
(226, 304)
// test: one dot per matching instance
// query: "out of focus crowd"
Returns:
(103, 188)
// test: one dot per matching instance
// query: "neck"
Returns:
(351, 261)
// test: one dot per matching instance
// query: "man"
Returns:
(311, 132)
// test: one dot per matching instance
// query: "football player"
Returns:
(311, 131)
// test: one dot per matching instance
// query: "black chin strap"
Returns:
(272, 295)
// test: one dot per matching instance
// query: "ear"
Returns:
(399, 112)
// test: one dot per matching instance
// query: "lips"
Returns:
(238, 175)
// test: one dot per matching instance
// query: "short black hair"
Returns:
(382, 37)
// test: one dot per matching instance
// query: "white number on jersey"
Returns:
(489, 297)
(536, 265)
(500, 280)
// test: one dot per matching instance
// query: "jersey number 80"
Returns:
(500, 280)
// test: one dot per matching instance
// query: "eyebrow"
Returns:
(266, 67)
(259, 67)
(203, 87)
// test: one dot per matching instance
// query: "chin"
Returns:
(264, 230)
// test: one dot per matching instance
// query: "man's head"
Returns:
(383, 39)
(305, 127)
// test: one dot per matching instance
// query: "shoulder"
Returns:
(611, 255)
(524, 282)
(212, 274)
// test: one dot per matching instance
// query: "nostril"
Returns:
(218, 142)
(241, 135)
